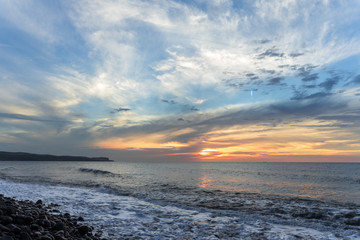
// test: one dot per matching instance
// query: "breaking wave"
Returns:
(96, 171)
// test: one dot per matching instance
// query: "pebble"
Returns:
(26, 220)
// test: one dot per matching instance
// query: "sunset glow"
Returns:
(182, 81)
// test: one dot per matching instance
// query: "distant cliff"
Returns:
(21, 156)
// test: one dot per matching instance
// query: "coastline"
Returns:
(23, 156)
(34, 220)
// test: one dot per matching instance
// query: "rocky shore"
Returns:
(26, 220)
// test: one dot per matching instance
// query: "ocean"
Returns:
(197, 200)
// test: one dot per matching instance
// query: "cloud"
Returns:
(312, 96)
(271, 53)
(329, 83)
(355, 80)
(263, 41)
(290, 127)
(294, 55)
(310, 77)
(120, 109)
(166, 60)
(169, 101)
(201, 57)
(39, 20)
(195, 109)
(183, 107)
(30, 118)
(276, 81)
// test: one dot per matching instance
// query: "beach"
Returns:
(28, 220)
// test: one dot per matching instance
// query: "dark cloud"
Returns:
(36, 123)
(268, 71)
(270, 53)
(346, 118)
(273, 114)
(253, 89)
(294, 55)
(276, 81)
(235, 85)
(262, 41)
(312, 96)
(258, 82)
(195, 109)
(31, 118)
(284, 66)
(355, 80)
(251, 76)
(310, 77)
(305, 70)
(294, 67)
(184, 107)
(291, 67)
(310, 86)
(168, 101)
(315, 107)
(329, 83)
(181, 119)
(120, 109)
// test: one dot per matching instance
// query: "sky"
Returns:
(181, 80)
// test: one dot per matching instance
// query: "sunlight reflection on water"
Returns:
(339, 182)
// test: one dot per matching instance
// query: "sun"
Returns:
(206, 152)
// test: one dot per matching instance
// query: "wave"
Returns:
(7, 169)
(97, 171)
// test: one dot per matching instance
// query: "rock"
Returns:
(26, 220)
(46, 238)
(44, 223)
(6, 237)
(36, 234)
(39, 201)
(19, 219)
(60, 233)
(83, 229)
(34, 227)
(4, 229)
(81, 219)
(60, 238)
(35, 213)
(24, 236)
(59, 226)
(6, 220)
(13, 228)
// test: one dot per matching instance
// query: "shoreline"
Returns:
(34, 220)
(123, 217)
(24, 156)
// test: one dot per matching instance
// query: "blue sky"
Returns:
(181, 80)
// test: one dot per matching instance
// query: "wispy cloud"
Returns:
(182, 76)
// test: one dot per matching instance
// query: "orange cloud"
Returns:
(317, 139)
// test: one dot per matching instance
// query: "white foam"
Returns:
(123, 216)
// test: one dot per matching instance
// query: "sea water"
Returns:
(197, 200)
